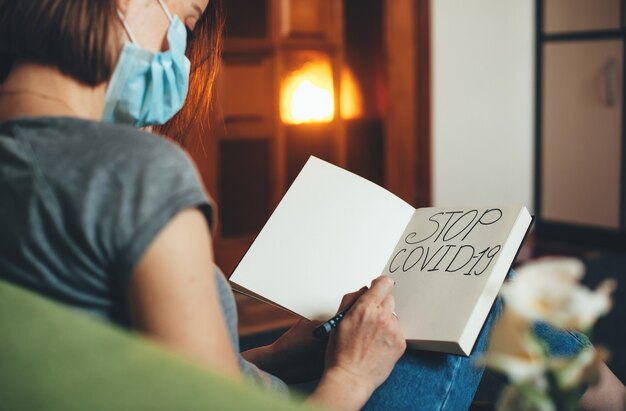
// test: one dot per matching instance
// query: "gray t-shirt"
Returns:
(81, 201)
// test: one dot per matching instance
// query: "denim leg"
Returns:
(561, 343)
(423, 380)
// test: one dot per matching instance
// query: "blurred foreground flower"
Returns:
(548, 291)
(513, 350)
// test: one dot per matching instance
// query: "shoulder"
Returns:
(76, 139)
(139, 160)
(127, 143)
(109, 164)
(81, 148)
(112, 187)
(126, 183)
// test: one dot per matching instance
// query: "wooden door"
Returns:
(582, 128)
(566, 16)
(580, 55)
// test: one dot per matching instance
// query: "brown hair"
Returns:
(204, 50)
(76, 36)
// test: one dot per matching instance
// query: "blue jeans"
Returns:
(424, 380)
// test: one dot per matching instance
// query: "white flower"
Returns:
(548, 290)
(517, 369)
(513, 350)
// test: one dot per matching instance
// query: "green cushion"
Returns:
(53, 358)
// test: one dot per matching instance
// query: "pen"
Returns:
(325, 329)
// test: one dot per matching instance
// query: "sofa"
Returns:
(54, 358)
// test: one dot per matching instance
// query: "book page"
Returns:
(331, 234)
(449, 265)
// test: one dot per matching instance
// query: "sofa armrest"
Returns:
(54, 358)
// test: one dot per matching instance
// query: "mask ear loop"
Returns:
(165, 9)
(126, 28)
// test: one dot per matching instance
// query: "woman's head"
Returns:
(83, 38)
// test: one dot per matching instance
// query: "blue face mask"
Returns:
(148, 88)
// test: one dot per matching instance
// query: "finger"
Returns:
(380, 289)
(389, 304)
(350, 298)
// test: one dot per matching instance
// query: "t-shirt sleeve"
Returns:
(156, 183)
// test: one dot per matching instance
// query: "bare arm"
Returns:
(174, 301)
(173, 295)
(295, 357)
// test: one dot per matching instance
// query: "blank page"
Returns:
(331, 234)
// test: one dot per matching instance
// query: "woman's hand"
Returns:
(364, 348)
(294, 357)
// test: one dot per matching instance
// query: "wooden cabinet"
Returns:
(259, 153)
(366, 59)
(580, 141)
(313, 19)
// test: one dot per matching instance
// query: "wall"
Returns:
(483, 101)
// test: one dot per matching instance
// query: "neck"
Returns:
(36, 90)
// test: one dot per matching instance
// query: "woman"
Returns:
(114, 221)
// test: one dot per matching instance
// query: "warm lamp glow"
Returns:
(308, 95)
(351, 97)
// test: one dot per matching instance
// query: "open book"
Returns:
(334, 232)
